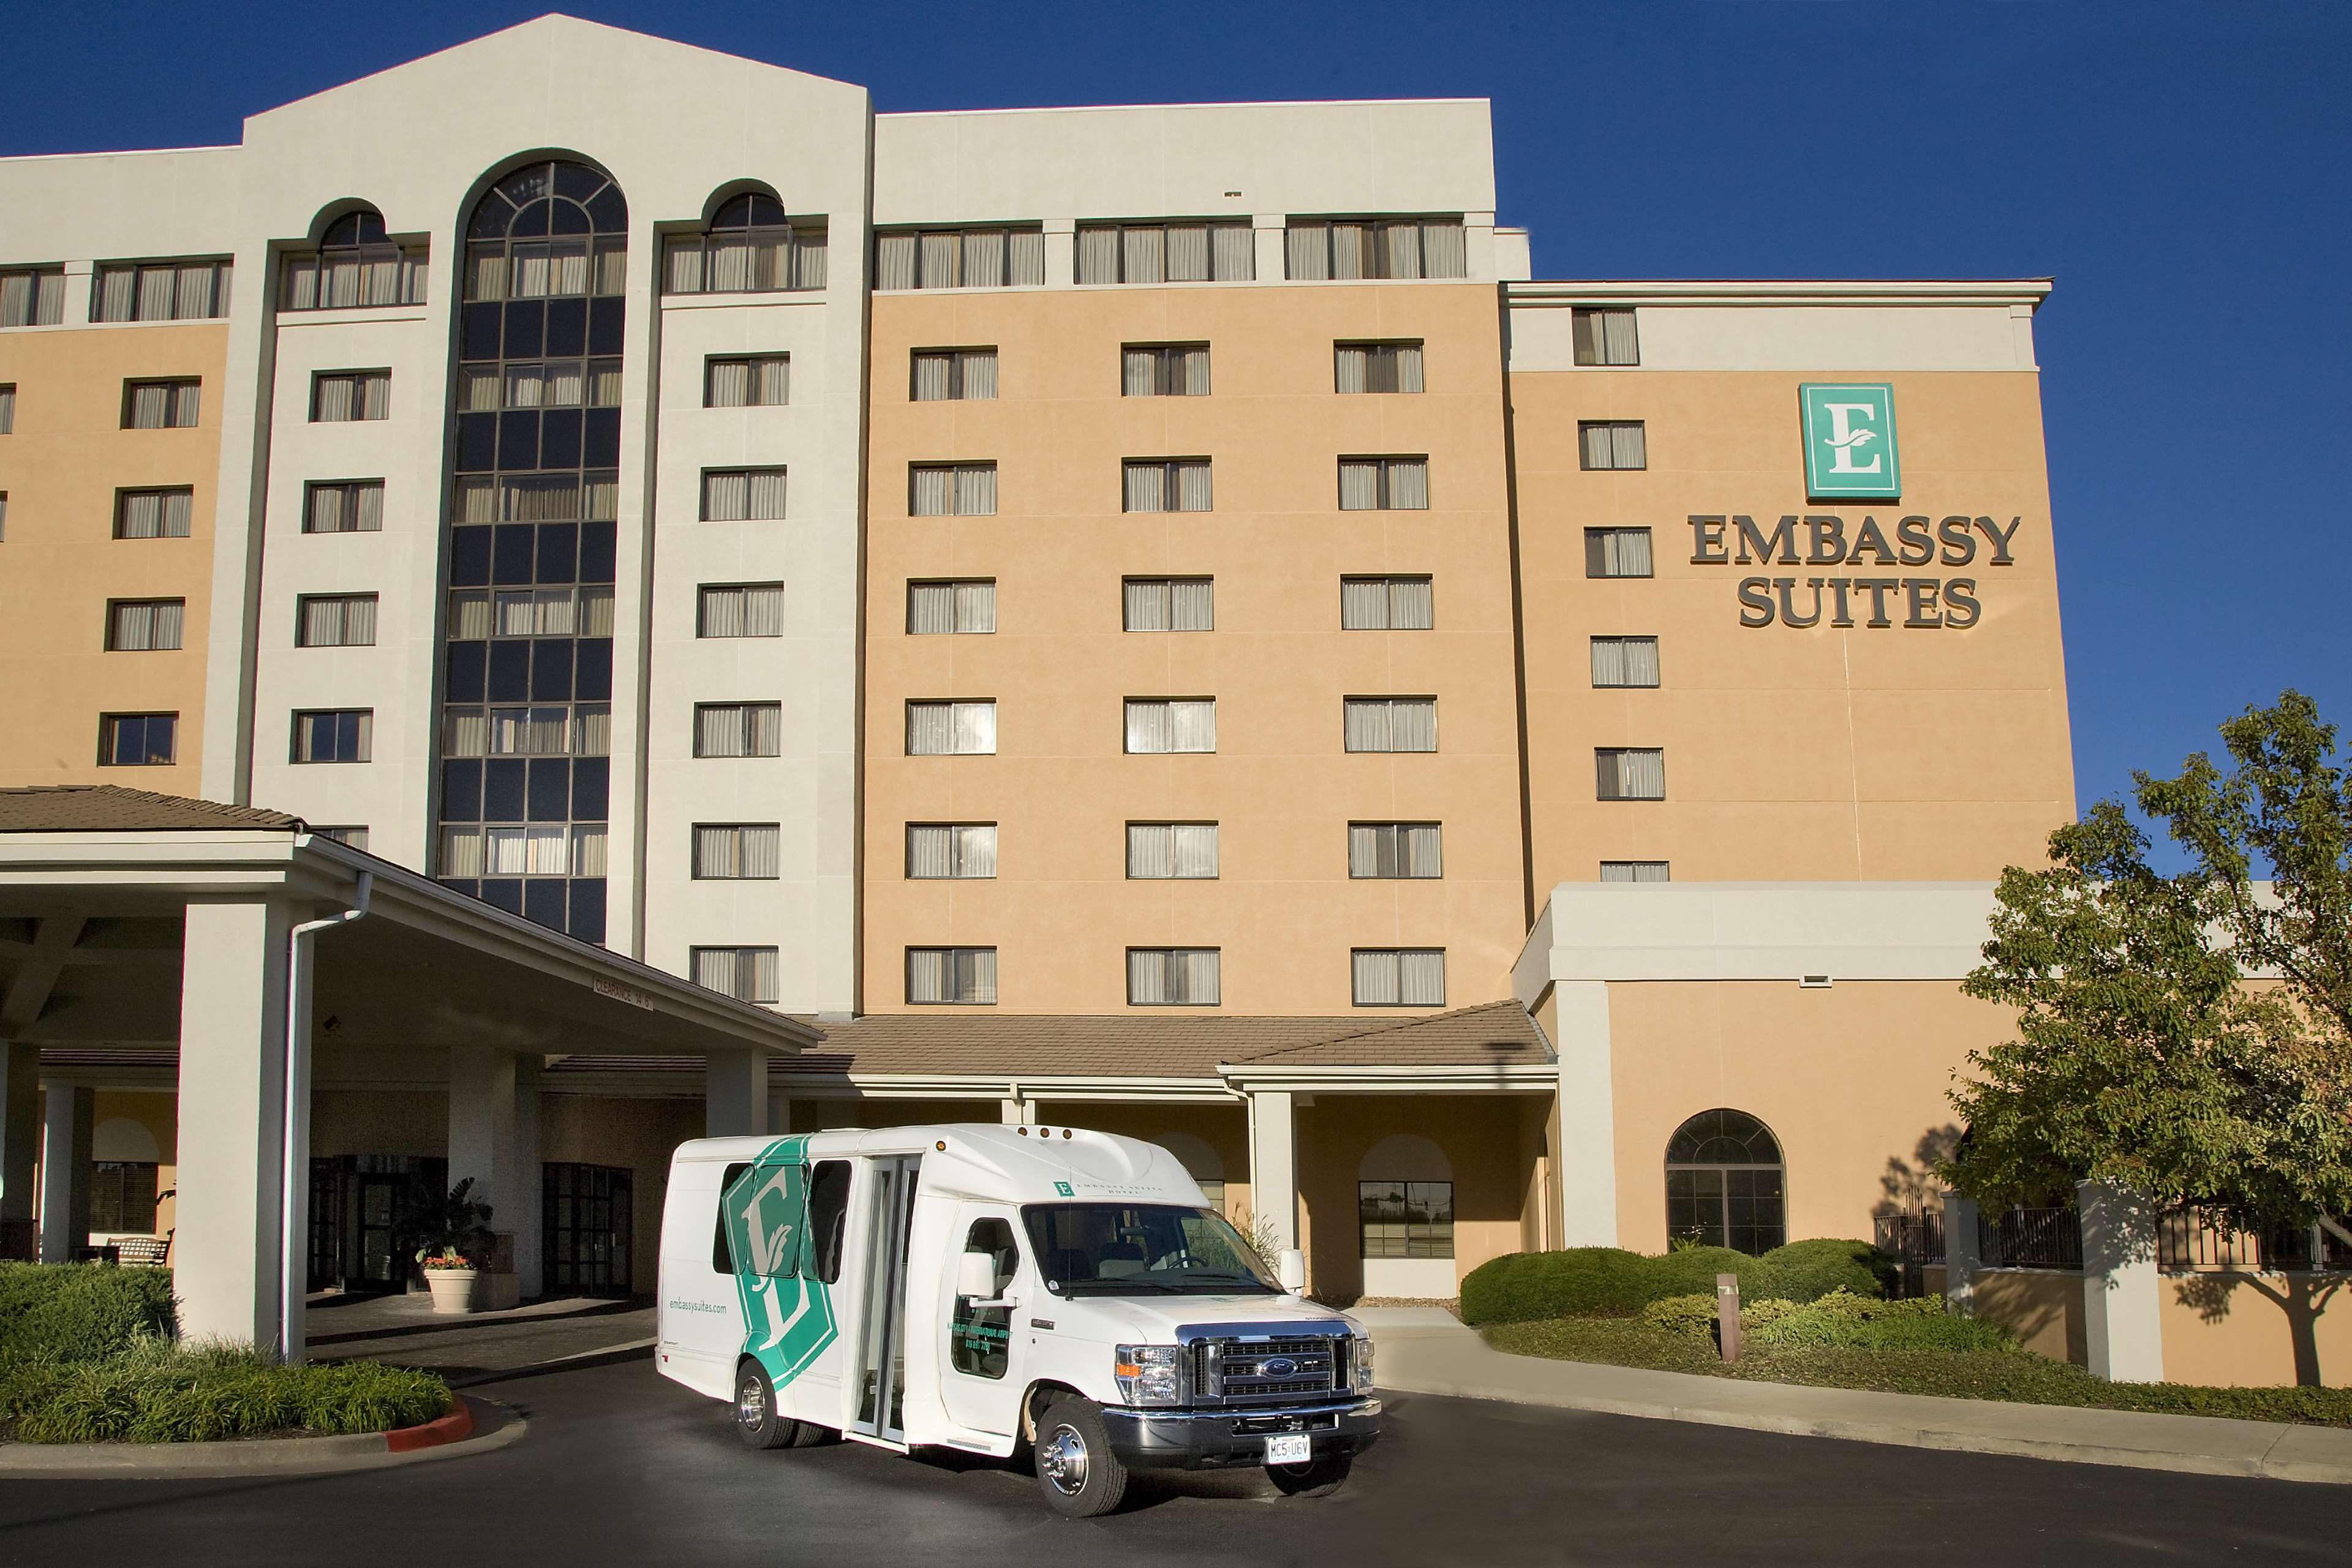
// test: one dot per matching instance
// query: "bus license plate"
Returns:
(1289, 1448)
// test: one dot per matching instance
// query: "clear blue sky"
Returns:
(2182, 170)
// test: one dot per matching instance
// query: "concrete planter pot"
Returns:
(453, 1289)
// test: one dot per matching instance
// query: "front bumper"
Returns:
(1199, 1439)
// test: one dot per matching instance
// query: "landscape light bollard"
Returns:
(1727, 1315)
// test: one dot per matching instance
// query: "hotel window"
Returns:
(995, 258)
(951, 728)
(740, 610)
(1383, 484)
(1605, 337)
(951, 376)
(476, 613)
(1613, 444)
(1171, 851)
(1378, 367)
(1624, 661)
(936, 609)
(1170, 724)
(752, 247)
(1630, 772)
(1635, 871)
(144, 626)
(739, 729)
(1392, 723)
(963, 976)
(1726, 1185)
(161, 405)
(1348, 248)
(343, 506)
(337, 620)
(347, 397)
(735, 852)
(551, 850)
(1386, 605)
(1392, 851)
(4, 514)
(1169, 604)
(160, 292)
(746, 973)
(1167, 484)
(123, 1197)
(136, 740)
(7, 408)
(1171, 976)
(508, 261)
(1406, 1219)
(547, 730)
(1398, 976)
(561, 383)
(746, 381)
(357, 264)
(1617, 553)
(742, 495)
(337, 735)
(354, 836)
(1164, 370)
(1166, 253)
(32, 297)
(951, 850)
(951, 489)
(153, 514)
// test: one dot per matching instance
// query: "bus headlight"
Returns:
(1359, 1363)
(1151, 1375)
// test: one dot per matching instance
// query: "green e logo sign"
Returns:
(1850, 441)
(1062, 1189)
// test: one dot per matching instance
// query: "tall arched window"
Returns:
(356, 264)
(752, 247)
(1724, 1184)
(526, 729)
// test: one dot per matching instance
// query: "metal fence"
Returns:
(1914, 1241)
(2191, 1239)
(2031, 1238)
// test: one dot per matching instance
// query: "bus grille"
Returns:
(1238, 1372)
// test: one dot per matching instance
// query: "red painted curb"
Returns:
(453, 1427)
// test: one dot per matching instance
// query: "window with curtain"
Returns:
(144, 626)
(1167, 484)
(1617, 553)
(1624, 661)
(159, 404)
(739, 729)
(735, 852)
(538, 850)
(1177, 851)
(354, 835)
(32, 296)
(964, 976)
(1605, 336)
(740, 610)
(1405, 1219)
(1383, 484)
(1169, 724)
(1164, 370)
(949, 729)
(357, 264)
(343, 506)
(948, 375)
(1613, 444)
(746, 381)
(935, 609)
(1171, 976)
(1377, 367)
(153, 514)
(7, 408)
(338, 396)
(1398, 976)
(942, 850)
(1630, 772)
(540, 383)
(159, 292)
(334, 620)
(951, 489)
(1169, 604)
(592, 497)
(1392, 723)
(137, 740)
(1384, 850)
(742, 495)
(752, 247)
(1350, 249)
(746, 973)
(334, 735)
(998, 256)
(1635, 871)
(586, 611)
(1387, 604)
(1166, 253)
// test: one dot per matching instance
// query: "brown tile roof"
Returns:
(111, 808)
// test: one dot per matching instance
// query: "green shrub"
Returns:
(67, 1312)
(1808, 1270)
(1844, 1318)
(1691, 1316)
(162, 1393)
(1606, 1281)
(1691, 1271)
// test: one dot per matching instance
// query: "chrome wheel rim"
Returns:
(751, 1404)
(1062, 1460)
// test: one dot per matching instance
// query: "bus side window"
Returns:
(828, 1219)
(722, 1256)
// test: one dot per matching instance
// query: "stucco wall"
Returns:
(2253, 1329)
(2043, 1308)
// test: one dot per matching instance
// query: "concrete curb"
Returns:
(478, 1425)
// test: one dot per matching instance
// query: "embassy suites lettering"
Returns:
(1928, 603)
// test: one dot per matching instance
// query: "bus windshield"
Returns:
(1142, 1250)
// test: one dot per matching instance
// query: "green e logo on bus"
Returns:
(787, 1309)
(1850, 441)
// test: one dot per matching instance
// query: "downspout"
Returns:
(294, 1180)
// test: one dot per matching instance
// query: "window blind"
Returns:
(742, 495)
(1394, 849)
(992, 258)
(740, 610)
(752, 381)
(944, 375)
(1169, 604)
(937, 850)
(1352, 248)
(951, 489)
(1631, 773)
(1399, 977)
(936, 729)
(33, 297)
(160, 292)
(1613, 444)
(153, 514)
(1605, 336)
(1383, 484)
(353, 506)
(1164, 370)
(1377, 367)
(942, 608)
(746, 973)
(738, 729)
(341, 395)
(1184, 852)
(1166, 253)
(336, 620)
(1392, 723)
(1635, 871)
(1386, 604)
(964, 975)
(145, 625)
(744, 852)
(1161, 724)
(1167, 484)
(1617, 553)
(1171, 976)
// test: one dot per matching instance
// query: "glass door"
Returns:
(882, 1398)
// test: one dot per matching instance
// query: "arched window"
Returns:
(548, 231)
(1724, 1186)
(752, 248)
(356, 264)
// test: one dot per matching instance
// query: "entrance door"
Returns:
(377, 1264)
(882, 1368)
(983, 1357)
(587, 1217)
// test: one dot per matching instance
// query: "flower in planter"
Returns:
(447, 1261)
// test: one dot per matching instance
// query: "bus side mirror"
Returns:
(1290, 1267)
(976, 1276)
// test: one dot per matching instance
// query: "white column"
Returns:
(483, 1144)
(225, 1258)
(1014, 1113)
(1273, 1165)
(20, 1145)
(1588, 1116)
(1060, 252)
(2123, 1321)
(65, 1171)
(734, 1092)
(1960, 1258)
(526, 1186)
(1271, 233)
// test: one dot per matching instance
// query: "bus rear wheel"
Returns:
(757, 1423)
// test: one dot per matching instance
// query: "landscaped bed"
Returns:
(90, 1353)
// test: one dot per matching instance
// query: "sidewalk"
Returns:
(477, 1347)
(1425, 1349)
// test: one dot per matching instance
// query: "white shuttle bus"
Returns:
(1001, 1289)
